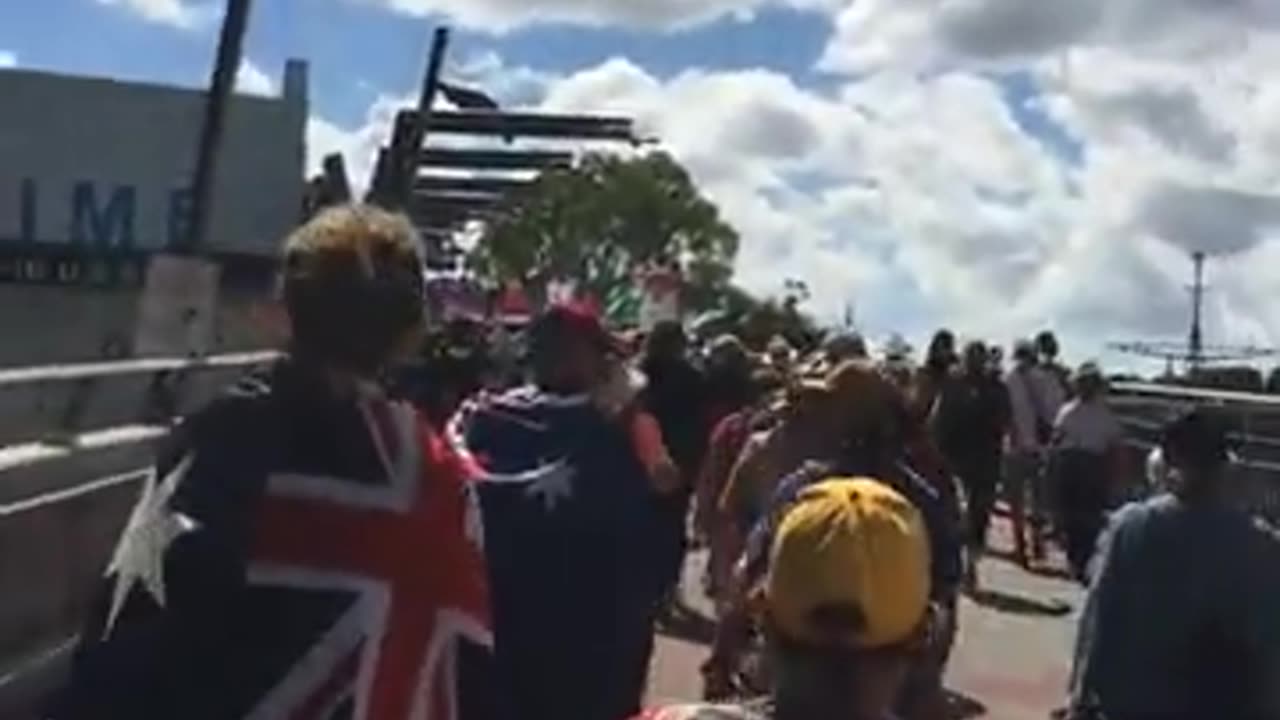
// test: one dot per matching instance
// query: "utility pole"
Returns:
(222, 84)
(1195, 343)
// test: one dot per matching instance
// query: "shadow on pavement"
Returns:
(963, 707)
(685, 623)
(1019, 604)
(1057, 573)
(1039, 569)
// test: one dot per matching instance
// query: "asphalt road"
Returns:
(1010, 662)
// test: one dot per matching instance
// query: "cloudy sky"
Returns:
(992, 165)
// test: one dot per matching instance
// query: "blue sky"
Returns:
(359, 49)
(974, 162)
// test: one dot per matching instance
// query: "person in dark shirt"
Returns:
(675, 395)
(969, 425)
(1181, 618)
(929, 380)
(729, 381)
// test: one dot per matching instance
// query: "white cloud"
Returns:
(1177, 128)
(182, 14)
(8, 59)
(504, 15)
(253, 80)
(872, 34)
(915, 190)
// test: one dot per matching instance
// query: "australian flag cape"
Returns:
(294, 555)
(569, 534)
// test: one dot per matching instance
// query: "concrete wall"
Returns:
(98, 169)
(44, 324)
(105, 163)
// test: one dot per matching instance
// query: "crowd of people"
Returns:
(348, 534)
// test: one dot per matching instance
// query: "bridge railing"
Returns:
(1143, 408)
(75, 439)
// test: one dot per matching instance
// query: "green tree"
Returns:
(601, 220)
(756, 321)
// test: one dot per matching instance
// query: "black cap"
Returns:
(1200, 435)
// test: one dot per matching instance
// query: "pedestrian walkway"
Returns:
(1010, 661)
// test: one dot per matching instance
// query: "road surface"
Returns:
(1010, 662)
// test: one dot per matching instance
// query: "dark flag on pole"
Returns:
(466, 98)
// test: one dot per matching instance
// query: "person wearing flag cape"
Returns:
(570, 513)
(305, 546)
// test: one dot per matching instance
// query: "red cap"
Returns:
(575, 319)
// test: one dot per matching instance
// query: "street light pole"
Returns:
(230, 48)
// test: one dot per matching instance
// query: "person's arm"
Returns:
(715, 473)
(945, 545)
(1119, 456)
(944, 421)
(1004, 406)
(1022, 416)
(1061, 426)
(732, 536)
(651, 449)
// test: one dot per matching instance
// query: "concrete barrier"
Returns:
(38, 403)
(53, 550)
(33, 469)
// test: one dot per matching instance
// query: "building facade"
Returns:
(95, 178)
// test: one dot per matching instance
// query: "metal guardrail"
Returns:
(69, 393)
(140, 366)
(1193, 394)
(1142, 408)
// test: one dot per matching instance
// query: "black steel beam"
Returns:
(481, 185)
(438, 215)
(335, 178)
(465, 203)
(509, 125)
(494, 159)
(230, 49)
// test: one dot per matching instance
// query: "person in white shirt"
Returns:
(1087, 440)
(1034, 398)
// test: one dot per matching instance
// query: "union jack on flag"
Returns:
(408, 552)
(347, 582)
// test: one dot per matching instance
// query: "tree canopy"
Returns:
(601, 220)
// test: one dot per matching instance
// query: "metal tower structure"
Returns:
(1195, 343)
(1194, 355)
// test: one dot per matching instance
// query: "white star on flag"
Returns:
(151, 530)
(551, 483)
